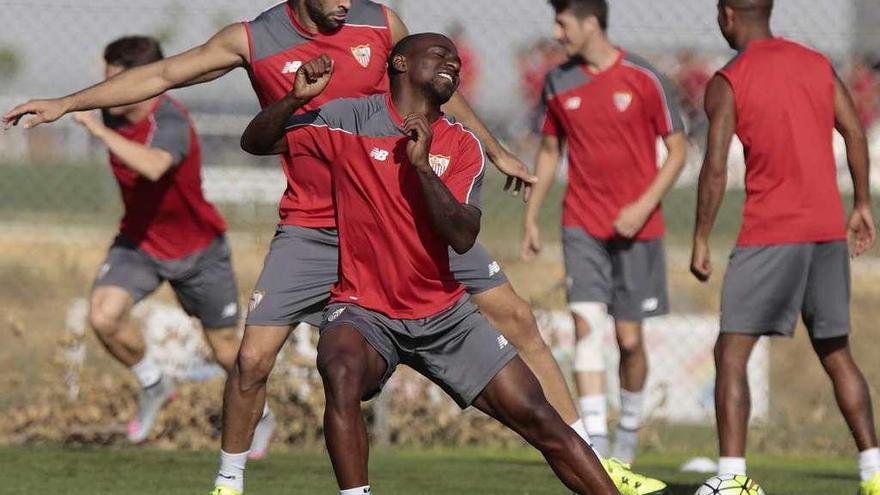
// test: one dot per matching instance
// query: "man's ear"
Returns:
(399, 63)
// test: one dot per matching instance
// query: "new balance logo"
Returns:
(650, 304)
(291, 67)
(378, 154)
(573, 103)
(502, 342)
(229, 310)
(494, 268)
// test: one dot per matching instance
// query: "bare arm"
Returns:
(265, 134)
(458, 224)
(516, 171)
(861, 232)
(546, 164)
(721, 110)
(633, 217)
(224, 51)
(150, 163)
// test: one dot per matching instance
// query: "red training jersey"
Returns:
(784, 95)
(279, 45)
(610, 121)
(390, 259)
(169, 218)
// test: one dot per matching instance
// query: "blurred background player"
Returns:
(358, 35)
(609, 107)
(784, 101)
(169, 231)
(406, 184)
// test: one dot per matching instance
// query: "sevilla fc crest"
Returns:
(438, 163)
(362, 54)
(622, 100)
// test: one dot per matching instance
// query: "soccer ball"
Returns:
(730, 484)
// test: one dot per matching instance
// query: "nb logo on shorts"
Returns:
(502, 342)
(103, 270)
(494, 268)
(650, 304)
(378, 154)
(335, 314)
(229, 310)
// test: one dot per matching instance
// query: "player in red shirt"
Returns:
(784, 101)
(168, 232)
(406, 185)
(609, 107)
(301, 265)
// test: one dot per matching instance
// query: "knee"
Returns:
(105, 322)
(527, 338)
(630, 344)
(253, 367)
(343, 378)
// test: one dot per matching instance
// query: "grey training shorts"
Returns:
(766, 288)
(458, 349)
(203, 282)
(302, 265)
(629, 276)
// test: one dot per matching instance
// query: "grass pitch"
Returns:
(53, 469)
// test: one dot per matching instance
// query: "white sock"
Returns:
(732, 465)
(266, 410)
(594, 412)
(361, 490)
(631, 409)
(869, 463)
(231, 472)
(147, 372)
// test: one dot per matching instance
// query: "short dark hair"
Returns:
(584, 8)
(132, 51)
(403, 46)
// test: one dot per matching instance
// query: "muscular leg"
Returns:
(850, 389)
(351, 370)
(633, 360)
(732, 400)
(245, 394)
(513, 317)
(109, 310)
(224, 344)
(514, 398)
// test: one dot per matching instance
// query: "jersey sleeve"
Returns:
(663, 105)
(171, 132)
(550, 124)
(464, 176)
(309, 134)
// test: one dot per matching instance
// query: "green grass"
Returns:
(52, 469)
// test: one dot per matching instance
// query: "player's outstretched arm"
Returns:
(721, 110)
(265, 134)
(458, 224)
(546, 163)
(223, 52)
(518, 176)
(861, 232)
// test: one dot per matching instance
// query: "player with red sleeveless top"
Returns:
(784, 100)
(359, 33)
(168, 232)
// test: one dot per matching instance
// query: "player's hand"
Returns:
(701, 261)
(632, 218)
(860, 230)
(518, 175)
(417, 127)
(90, 121)
(43, 111)
(531, 242)
(313, 77)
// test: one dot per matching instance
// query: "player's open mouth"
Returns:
(446, 76)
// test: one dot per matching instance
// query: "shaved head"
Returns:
(743, 20)
(749, 8)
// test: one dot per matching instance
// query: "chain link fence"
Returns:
(59, 203)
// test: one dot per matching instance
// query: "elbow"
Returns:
(463, 240)
(249, 146)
